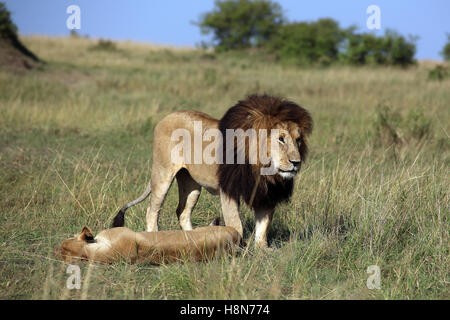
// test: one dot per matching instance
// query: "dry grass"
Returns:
(75, 145)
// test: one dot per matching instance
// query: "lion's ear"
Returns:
(86, 235)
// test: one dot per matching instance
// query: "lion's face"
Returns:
(293, 124)
(286, 156)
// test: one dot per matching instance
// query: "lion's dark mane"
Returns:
(260, 112)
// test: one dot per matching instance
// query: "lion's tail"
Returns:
(119, 219)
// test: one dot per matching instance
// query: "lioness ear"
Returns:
(86, 235)
(215, 222)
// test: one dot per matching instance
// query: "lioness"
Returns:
(232, 181)
(111, 245)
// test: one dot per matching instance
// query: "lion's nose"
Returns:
(295, 162)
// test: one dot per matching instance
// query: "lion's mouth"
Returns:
(287, 174)
(288, 171)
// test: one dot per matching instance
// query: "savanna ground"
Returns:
(76, 141)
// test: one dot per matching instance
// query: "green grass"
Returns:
(76, 141)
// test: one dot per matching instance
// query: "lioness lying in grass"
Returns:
(159, 247)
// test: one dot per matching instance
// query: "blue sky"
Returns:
(170, 21)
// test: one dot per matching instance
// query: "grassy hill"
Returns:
(75, 145)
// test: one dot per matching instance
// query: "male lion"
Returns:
(232, 181)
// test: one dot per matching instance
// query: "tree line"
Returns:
(244, 24)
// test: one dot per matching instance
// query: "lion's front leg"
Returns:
(230, 210)
(263, 219)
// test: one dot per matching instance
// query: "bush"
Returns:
(7, 28)
(241, 24)
(446, 50)
(386, 126)
(418, 126)
(400, 51)
(18, 57)
(74, 34)
(366, 48)
(439, 72)
(104, 45)
(391, 128)
(314, 42)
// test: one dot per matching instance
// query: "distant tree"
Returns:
(401, 51)
(446, 51)
(367, 48)
(354, 52)
(13, 54)
(308, 42)
(240, 24)
(7, 28)
(74, 34)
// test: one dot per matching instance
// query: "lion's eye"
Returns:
(281, 139)
(299, 140)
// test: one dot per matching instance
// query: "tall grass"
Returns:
(75, 145)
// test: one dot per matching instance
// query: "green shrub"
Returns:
(417, 125)
(400, 51)
(74, 34)
(386, 125)
(241, 24)
(7, 28)
(366, 48)
(308, 42)
(391, 128)
(9, 40)
(440, 72)
(104, 45)
(446, 50)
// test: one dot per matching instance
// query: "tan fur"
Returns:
(164, 170)
(192, 177)
(114, 244)
(199, 175)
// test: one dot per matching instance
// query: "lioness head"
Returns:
(288, 125)
(72, 249)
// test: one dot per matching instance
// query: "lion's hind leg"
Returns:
(189, 192)
(160, 181)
